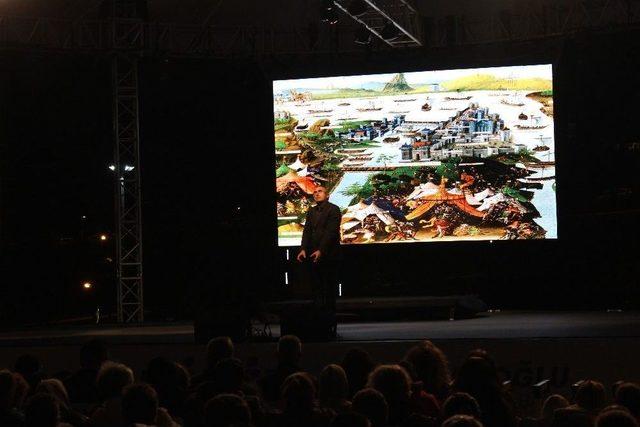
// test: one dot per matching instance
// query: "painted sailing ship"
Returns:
(534, 124)
(370, 107)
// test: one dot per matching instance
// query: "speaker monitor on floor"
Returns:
(308, 323)
(468, 306)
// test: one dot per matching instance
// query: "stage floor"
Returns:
(496, 325)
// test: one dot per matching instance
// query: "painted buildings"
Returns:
(473, 132)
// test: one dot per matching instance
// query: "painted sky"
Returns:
(415, 78)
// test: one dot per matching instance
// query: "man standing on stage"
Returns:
(321, 240)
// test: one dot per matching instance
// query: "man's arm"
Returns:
(331, 233)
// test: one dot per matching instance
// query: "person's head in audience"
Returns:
(226, 410)
(461, 421)
(332, 384)
(183, 377)
(7, 391)
(350, 419)
(357, 364)
(571, 416)
(392, 381)
(551, 403)
(112, 378)
(217, 349)
(419, 420)
(229, 375)
(169, 380)
(483, 354)
(477, 377)
(590, 396)
(431, 367)
(139, 404)
(615, 385)
(395, 385)
(372, 404)
(460, 404)
(22, 390)
(298, 393)
(491, 366)
(615, 416)
(93, 354)
(55, 388)
(289, 350)
(42, 410)
(30, 368)
(628, 395)
(408, 367)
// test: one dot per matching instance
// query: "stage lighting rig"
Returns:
(390, 32)
(328, 14)
(363, 36)
(395, 22)
(357, 8)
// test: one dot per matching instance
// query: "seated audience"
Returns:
(395, 385)
(226, 410)
(372, 404)
(615, 416)
(81, 385)
(140, 407)
(112, 379)
(10, 416)
(461, 404)
(42, 411)
(432, 369)
(289, 352)
(333, 389)
(217, 349)
(461, 421)
(299, 403)
(357, 364)
(628, 395)
(478, 377)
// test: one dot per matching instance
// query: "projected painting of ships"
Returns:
(460, 160)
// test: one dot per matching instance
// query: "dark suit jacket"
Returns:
(322, 230)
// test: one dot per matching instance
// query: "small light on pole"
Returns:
(103, 237)
(87, 285)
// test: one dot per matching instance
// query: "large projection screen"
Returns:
(433, 156)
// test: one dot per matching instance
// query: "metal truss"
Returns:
(531, 20)
(157, 39)
(535, 19)
(126, 42)
(128, 195)
(379, 13)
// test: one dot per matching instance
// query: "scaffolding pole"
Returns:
(126, 43)
(128, 195)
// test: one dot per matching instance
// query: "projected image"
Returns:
(419, 157)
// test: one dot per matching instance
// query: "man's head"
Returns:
(289, 350)
(217, 349)
(139, 404)
(320, 194)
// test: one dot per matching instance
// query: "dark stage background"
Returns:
(207, 174)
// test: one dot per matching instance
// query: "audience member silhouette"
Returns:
(394, 395)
